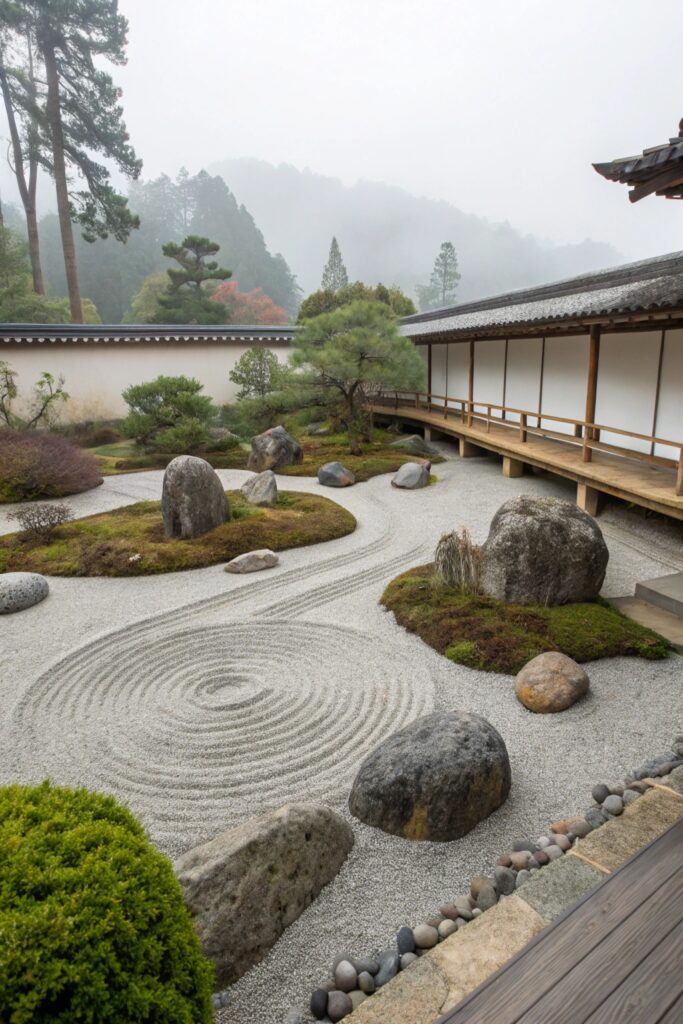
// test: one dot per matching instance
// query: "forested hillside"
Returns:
(386, 234)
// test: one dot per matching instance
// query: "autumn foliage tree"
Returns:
(253, 307)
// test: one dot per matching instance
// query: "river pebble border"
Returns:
(353, 980)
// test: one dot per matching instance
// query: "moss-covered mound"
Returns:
(497, 637)
(92, 921)
(131, 542)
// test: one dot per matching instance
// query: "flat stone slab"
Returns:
(415, 996)
(665, 591)
(663, 622)
(558, 886)
(642, 821)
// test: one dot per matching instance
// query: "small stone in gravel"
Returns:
(613, 805)
(449, 910)
(640, 787)
(476, 884)
(565, 826)
(319, 1003)
(388, 967)
(600, 792)
(338, 959)
(327, 986)
(542, 842)
(464, 908)
(435, 921)
(563, 842)
(533, 864)
(409, 958)
(522, 877)
(365, 964)
(553, 852)
(520, 859)
(505, 880)
(488, 897)
(405, 941)
(523, 844)
(461, 922)
(541, 857)
(346, 976)
(630, 795)
(366, 983)
(665, 769)
(425, 936)
(504, 861)
(581, 829)
(338, 1006)
(357, 997)
(447, 928)
(595, 817)
(616, 790)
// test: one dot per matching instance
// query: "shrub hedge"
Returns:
(93, 927)
(35, 465)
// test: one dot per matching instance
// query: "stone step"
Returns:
(666, 592)
(663, 622)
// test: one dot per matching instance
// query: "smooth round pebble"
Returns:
(541, 857)
(477, 912)
(338, 1006)
(613, 804)
(447, 928)
(542, 842)
(409, 958)
(520, 859)
(595, 817)
(505, 880)
(523, 844)
(522, 877)
(449, 910)
(425, 936)
(357, 997)
(464, 908)
(600, 792)
(365, 964)
(389, 963)
(319, 1003)
(366, 982)
(553, 852)
(21, 590)
(405, 940)
(563, 842)
(346, 976)
(630, 795)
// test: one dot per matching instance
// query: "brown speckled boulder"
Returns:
(274, 449)
(551, 682)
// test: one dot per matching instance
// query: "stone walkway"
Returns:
(201, 699)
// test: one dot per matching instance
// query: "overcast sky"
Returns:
(498, 106)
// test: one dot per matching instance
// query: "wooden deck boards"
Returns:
(615, 957)
(630, 479)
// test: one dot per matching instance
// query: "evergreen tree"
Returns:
(324, 301)
(81, 116)
(186, 301)
(443, 283)
(334, 274)
(257, 373)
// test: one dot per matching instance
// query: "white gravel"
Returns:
(201, 698)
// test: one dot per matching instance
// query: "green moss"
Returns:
(497, 637)
(130, 541)
(92, 921)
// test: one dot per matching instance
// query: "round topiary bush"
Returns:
(35, 465)
(93, 927)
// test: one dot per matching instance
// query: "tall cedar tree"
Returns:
(20, 97)
(443, 283)
(334, 274)
(352, 354)
(186, 301)
(82, 115)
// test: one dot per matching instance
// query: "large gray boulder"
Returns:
(543, 551)
(192, 498)
(435, 779)
(334, 474)
(21, 590)
(261, 489)
(247, 885)
(412, 475)
(414, 444)
(274, 449)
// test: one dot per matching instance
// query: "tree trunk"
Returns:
(54, 117)
(27, 191)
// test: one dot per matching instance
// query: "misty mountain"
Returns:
(386, 234)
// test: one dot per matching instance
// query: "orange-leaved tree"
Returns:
(254, 307)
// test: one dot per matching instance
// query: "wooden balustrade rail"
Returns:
(589, 434)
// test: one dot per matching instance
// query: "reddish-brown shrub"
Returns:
(35, 464)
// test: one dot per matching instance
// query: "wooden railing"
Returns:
(587, 435)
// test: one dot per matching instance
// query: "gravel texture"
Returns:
(201, 699)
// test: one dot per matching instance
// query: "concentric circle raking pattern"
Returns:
(199, 729)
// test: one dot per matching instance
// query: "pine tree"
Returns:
(82, 116)
(334, 274)
(443, 283)
(186, 301)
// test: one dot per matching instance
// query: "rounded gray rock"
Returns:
(261, 489)
(274, 449)
(425, 936)
(339, 1006)
(408, 958)
(543, 551)
(21, 590)
(412, 476)
(436, 779)
(345, 976)
(505, 880)
(366, 983)
(334, 474)
(600, 792)
(192, 498)
(613, 804)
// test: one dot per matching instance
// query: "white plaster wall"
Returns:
(565, 373)
(96, 374)
(627, 385)
(670, 410)
(439, 371)
(489, 366)
(523, 386)
(458, 372)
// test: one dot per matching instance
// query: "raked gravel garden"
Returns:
(138, 687)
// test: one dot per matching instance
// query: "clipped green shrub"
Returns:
(93, 927)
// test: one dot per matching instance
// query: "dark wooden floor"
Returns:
(616, 957)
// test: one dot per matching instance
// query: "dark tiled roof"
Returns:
(136, 333)
(652, 167)
(652, 284)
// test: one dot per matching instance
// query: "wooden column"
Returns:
(470, 385)
(429, 370)
(591, 388)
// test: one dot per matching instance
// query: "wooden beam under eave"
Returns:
(591, 388)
